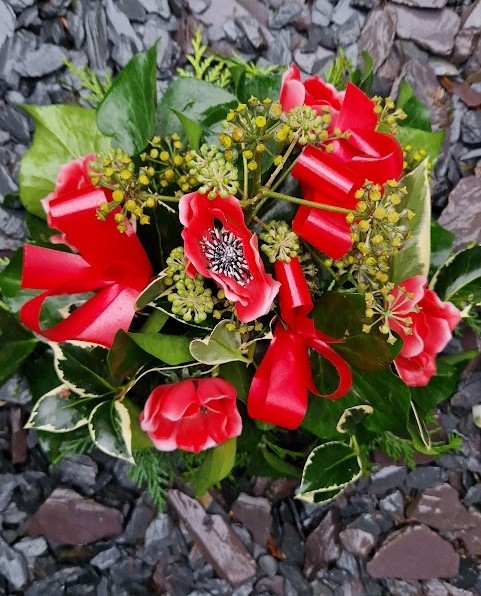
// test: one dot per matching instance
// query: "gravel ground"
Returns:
(82, 528)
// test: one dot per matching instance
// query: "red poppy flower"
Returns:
(425, 324)
(332, 178)
(114, 265)
(193, 415)
(218, 245)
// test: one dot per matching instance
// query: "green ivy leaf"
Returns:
(235, 373)
(441, 386)
(328, 470)
(220, 346)
(413, 258)
(16, 344)
(216, 465)
(82, 367)
(140, 439)
(57, 412)
(417, 113)
(171, 349)
(127, 112)
(150, 293)
(458, 280)
(109, 428)
(125, 357)
(196, 100)
(62, 133)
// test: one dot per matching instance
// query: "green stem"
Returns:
(277, 195)
(167, 199)
(455, 358)
(281, 165)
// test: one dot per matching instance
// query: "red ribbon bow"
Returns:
(112, 264)
(279, 389)
(333, 178)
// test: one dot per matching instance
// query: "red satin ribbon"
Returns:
(279, 390)
(332, 178)
(110, 263)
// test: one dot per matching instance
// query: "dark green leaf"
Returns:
(140, 439)
(235, 373)
(171, 349)
(459, 279)
(195, 99)
(192, 130)
(352, 417)
(83, 368)
(10, 277)
(442, 241)
(150, 293)
(109, 428)
(417, 113)
(216, 465)
(62, 133)
(441, 386)
(328, 470)
(16, 344)
(127, 112)
(125, 356)
(58, 411)
(342, 316)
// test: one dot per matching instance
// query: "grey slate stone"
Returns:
(13, 565)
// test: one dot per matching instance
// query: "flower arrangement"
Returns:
(235, 279)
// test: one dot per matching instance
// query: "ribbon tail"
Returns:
(341, 366)
(278, 392)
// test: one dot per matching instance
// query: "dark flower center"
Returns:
(225, 254)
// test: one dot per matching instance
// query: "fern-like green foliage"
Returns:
(77, 445)
(214, 68)
(155, 471)
(340, 70)
(90, 82)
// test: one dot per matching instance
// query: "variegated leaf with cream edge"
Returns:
(110, 429)
(58, 412)
(413, 258)
(352, 417)
(327, 471)
(82, 367)
(221, 346)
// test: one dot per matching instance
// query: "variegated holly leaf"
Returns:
(109, 428)
(58, 411)
(221, 346)
(352, 417)
(83, 368)
(414, 256)
(328, 470)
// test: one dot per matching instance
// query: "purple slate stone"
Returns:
(434, 30)
(255, 514)
(377, 35)
(356, 541)
(415, 552)
(462, 215)
(440, 508)
(68, 518)
(322, 545)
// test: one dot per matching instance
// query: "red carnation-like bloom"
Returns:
(333, 178)
(218, 245)
(193, 415)
(433, 322)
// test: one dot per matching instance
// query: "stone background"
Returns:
(401, 531)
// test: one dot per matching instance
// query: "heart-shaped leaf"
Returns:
(62, 133)
(219, 347)
(328, 470)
